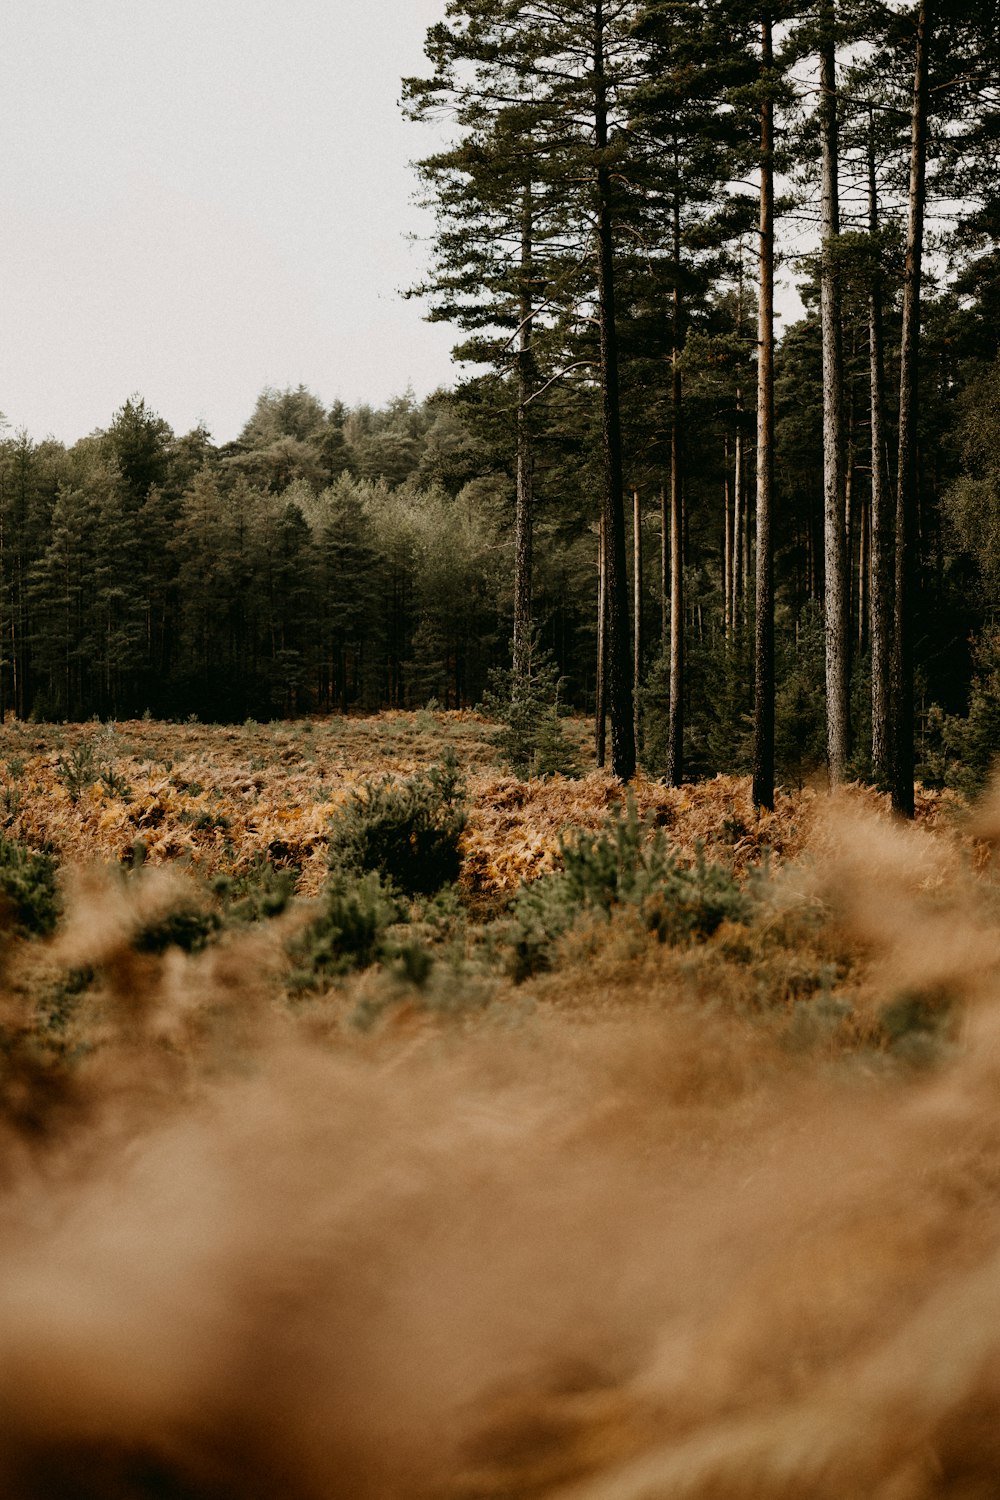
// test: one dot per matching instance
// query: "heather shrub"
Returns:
(531, 738)
(258, 892)
(188, 925)
(350, 932)
(28, 892)
(407, 832)
(625, 863)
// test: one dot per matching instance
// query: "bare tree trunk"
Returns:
(901, 758)
(675, 731)
(601, 717)
(664, 570)
(741, 517)
(850, 532)
(882, 581)
(637, 613)
(727, 545)
(836, 598)
(675, 741)
(749, 533)
(524, 501)
(741, 535)
(864, 572)
(763, 717)
(619, 658)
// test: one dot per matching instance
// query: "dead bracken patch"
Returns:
(706, 1211)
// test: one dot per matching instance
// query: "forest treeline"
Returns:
(748, 551)
(336, 559)
(327, 559)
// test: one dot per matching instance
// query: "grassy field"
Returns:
(657, 1155)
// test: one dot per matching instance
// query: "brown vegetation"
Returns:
(712, 1220)
(224, 796)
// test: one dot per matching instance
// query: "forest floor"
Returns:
(222, 797)
(658, 1157)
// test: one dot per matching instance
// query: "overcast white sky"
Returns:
(199, 198)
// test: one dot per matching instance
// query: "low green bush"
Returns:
(408, 832)
(626, 863)
(531, 739)
(78, 770)
(29, 895)
(350, 932)
(189, 926)
(258, 892)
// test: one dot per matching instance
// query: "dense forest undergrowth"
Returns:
(376, 1122)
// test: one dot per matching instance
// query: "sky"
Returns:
(201, 198)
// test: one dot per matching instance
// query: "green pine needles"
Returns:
(408, 832)
(29, 894)
(528, 707)
(624, 864)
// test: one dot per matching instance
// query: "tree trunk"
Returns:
(664, 570)
(637, 613)
(675, 739)
(882, 583)
(901, 751)
(850, 530)
(741, 520)
(619, 658)
(864, 574)
(741, 544)
(727, 545)
(763, 715)
(675, 730)
(836, 598)
(601, 718)
(524, 501)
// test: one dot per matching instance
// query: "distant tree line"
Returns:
(326, 560)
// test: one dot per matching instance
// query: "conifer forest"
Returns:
(499, 890)
(739, 549)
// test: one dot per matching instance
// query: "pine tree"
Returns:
(555, 76)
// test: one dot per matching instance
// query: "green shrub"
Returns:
(28, 891)
(408, 832)
(350, 933)
(59, 1000)
(531, 739)
(257, 893)
(115, 784)
(77, 770)
(918, 1024)
(10, 804)
(188, 926)
(626, 863)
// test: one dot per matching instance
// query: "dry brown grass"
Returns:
(223, 797)
(625, 1234)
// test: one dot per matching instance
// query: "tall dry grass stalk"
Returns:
(625, 1251)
